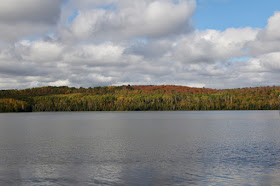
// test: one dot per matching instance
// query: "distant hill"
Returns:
(138, 98)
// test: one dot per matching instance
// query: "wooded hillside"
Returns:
(137, 98)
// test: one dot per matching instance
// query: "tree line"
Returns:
(138, 98)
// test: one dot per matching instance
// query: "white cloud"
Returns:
(39, 51)
(96, 55)
(211, 46)
(271, 31)
(268, 39)
(132, 19)
(60, 83)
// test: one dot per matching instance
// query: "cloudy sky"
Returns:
(88, 43)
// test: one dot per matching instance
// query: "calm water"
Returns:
(140, 148)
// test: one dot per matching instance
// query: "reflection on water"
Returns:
(146, 148)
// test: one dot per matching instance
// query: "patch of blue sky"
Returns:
(73, 16)
(223, 14)
(240, 59)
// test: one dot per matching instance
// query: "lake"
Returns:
(140, 148)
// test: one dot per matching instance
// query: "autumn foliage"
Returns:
(138, 98)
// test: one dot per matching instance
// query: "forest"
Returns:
(138, 98)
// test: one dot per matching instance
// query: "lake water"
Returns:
(140, 148)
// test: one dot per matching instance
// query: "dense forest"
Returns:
(138, 98)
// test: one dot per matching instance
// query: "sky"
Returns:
(89, 43)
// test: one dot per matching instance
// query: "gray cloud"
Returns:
(34, 11)
(27, 18)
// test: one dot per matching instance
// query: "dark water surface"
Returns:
(140, 148)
